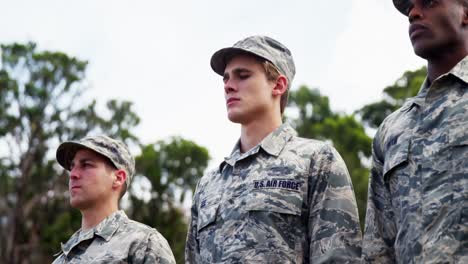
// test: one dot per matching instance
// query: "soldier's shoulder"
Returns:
(391, 128)
(150, 239)
(396, 117)
(209, 174)
(143, 231)
(139, 229)
(307, 146)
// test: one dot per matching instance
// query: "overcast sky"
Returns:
(156, 53)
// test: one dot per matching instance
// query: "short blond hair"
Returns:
(272, 73)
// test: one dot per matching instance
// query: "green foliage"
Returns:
(347, 132)
(41, 104)
(406, 86)
(317, 120)
(173, 169)
(32, 85)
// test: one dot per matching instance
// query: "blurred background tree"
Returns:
(316, 120)
(41, 105)
(348, 133)
(394, 96)
(172, 169)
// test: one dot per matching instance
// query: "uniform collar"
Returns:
(419, 99)
(105, 229)
(275, 142)
(272, 144)
(460, 71)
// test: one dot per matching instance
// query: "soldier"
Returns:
(277, 198)
(418, 192)
(101, 169)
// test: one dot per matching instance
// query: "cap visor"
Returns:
(66, 152)
(219, 59)
(402, 6)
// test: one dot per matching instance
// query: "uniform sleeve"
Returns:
(155, 249)
(192, 250)
(379, 234)
(60, 259)
(334, 230)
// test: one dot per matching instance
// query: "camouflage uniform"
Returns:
(287, 200)
(418, 192)
(116, 239)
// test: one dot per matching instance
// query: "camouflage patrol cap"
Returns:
(116, 151)
(260, 46)
(402, 6)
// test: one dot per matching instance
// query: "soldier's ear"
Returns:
(281, 86)
(120, 176)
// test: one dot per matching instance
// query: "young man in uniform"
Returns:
(277, 198)
(418, 192)
(101, 170)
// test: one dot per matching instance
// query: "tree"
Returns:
(40, 106)
(172, 169)
(317, 120)
(406, 86)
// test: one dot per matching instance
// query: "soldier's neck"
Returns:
(254, 132)
(93, 216)
(443, 62)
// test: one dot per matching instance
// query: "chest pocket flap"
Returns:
(458, 136)
(207, 214)
(396, 155)
(275, 200)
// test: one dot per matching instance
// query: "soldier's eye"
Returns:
(429, 3)
(87, 164)
(244, 76)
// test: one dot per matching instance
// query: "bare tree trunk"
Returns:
(16, 217)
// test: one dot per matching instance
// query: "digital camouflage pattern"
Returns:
(116, 239)
(418, 192)
(116, 151)
(261, 46)
(287, 200)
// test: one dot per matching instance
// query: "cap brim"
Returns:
(66, 152)
(219, 59)
(402, 6)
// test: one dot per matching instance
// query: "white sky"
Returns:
(156, 53)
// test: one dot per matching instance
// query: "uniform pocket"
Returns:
(276, 224)
(207, 212)
(283, 201)
(458, 142)
(396, 155)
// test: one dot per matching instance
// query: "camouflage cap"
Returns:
(116, 151)
(261, 46)
(402, 6)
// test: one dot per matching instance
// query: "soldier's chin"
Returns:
(234, 117)
(77, 204)
(424, 50)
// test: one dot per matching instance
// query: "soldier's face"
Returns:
(247, 91)
(90, 182)
(437, 26)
